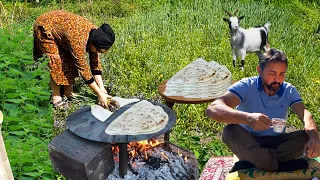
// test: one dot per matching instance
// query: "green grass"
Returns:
(154, 39)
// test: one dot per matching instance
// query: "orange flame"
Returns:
(145, 155)
(133, 152)
(164, 156)
(115, 149)
(140, 147)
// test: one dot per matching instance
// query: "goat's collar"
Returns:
(260, 87)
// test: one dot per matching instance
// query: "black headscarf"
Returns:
(103, 37)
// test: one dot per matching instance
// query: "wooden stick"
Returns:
(5, 169)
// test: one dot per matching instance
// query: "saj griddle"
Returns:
(84, 124)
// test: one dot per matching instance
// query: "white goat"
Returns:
(245, 41)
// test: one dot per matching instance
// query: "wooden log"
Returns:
(78, 158)
(5, 169)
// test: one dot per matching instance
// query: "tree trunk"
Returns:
(5, 169)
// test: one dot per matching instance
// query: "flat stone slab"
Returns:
(78, 158)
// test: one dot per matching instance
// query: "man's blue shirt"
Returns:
(255, 100)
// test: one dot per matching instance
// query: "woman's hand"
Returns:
(102, 99)
(101, 92)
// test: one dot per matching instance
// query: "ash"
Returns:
(171, 166)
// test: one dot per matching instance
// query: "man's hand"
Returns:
(259, 122)
(312, 148)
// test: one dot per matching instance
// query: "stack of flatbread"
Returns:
(200, 79)
(141, 118)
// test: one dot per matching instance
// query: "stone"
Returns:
(78, 158)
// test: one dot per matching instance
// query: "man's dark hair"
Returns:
(272, 55)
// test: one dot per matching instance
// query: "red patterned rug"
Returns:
(217, 168)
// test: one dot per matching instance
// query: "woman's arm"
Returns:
(102, 97)
(98, 80)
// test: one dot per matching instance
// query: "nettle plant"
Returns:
(24, 95)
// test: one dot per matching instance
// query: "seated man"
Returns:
(257, 100)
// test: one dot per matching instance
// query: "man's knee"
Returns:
(293, 146)
(301, 136)
(231, 132)
(266, 160)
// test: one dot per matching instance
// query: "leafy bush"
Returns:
(24, 101)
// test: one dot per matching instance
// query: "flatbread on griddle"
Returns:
(141, 118)
(100, 113)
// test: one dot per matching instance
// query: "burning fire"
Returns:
(141, 148)
(166, 157)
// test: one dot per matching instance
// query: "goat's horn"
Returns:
(228, 13)
(236, 12)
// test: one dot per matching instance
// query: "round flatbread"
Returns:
(141, 118)
(100, 113)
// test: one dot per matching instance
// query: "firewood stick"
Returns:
(5, 169)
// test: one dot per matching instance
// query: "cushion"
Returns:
(217, 168)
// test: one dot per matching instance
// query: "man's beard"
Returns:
(272, 86)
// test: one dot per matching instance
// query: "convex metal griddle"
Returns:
(85, 125)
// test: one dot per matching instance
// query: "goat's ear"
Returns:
(241, 17)
(226, 19)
